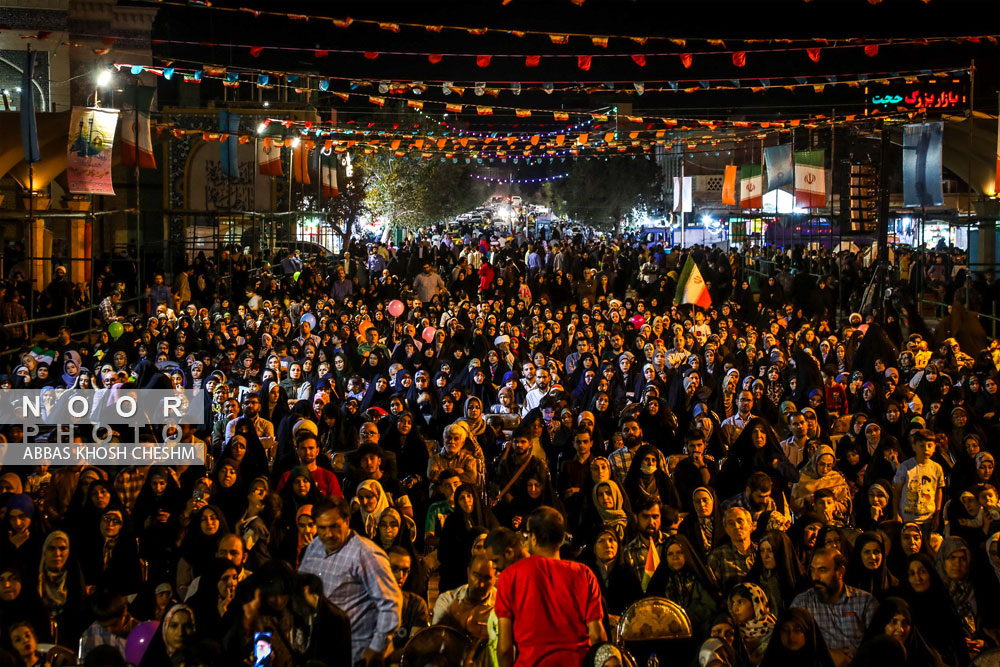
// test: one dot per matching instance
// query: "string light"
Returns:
(519, 180)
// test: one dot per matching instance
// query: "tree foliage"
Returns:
(604, 193)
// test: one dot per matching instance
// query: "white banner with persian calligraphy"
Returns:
(88, 162)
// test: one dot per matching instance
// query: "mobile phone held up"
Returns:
(262, 650)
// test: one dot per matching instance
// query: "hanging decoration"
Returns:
(555, 38)
(545, 179)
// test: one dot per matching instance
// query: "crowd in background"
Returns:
(395, 437)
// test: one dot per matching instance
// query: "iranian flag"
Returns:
(810, 179)
(652, 562)
(691, 286)
(137, 145)
(751, 186)
(329, 177)
(269, 157)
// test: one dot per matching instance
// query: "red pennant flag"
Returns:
(343, 23)
(740, 58)
(380, 101)
(523, 113)
(435, 58)
(532, 61)
(686, 59)
(871, 50)
(371, 55)
(639, 59)
(813, 54)
(391, 27)
(453, 108)
(255, 51)
(559, 39)
(583, 62)
(483, 61)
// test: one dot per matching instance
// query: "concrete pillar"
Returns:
(39, 242)
(79, 237)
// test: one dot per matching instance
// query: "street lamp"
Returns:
(103, 81)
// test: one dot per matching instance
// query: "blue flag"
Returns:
(29, 129)
(922, 164)
(778, 161)
(229, 161)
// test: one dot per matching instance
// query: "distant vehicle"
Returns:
(515, 201)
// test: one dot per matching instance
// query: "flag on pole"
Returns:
(300, 163)
(328, 176)
(40, 354)
(269, 157)
(29, 129)
(652, 562)
(691, 286)
(751, 186)
(137, 145)
(996, 180)
(729, 186)
(810, 179)
(778, 161)
(682, 194)
(922, 164)
(229, 123)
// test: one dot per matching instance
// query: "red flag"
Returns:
(255, 51)
(532, 61)
(639, 59)
(483, 61)
(740, 58)
(871, 50)
(583, 62)
(435, 58)
(813, 54)
(371, 55)
(687, 59)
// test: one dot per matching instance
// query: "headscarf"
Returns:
(476, 426)
(763, 621)
(961, 590)
(169, 615)
(16, 486)
(989, 542)
(53, 591)
(615, 518)
(382, 502)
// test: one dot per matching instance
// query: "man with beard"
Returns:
(842, 612)
(649, 519)
(621, 458)
(733, 426)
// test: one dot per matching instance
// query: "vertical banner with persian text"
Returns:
(91, 137)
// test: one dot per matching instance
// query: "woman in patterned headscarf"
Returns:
(751, 614)
(953, 563)
(370, 501)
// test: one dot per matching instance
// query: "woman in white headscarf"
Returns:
(820, 473)
(370, 501)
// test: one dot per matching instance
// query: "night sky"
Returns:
(693, 21)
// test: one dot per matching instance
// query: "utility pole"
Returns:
(882, 268)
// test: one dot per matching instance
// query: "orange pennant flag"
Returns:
(583, 62)
(813, 54)
(523, 113)
(609, 137)
(300, 163)
(729, 186)
(686, 60)
(379, 101)
(441, 143)
(559, 39)
(740, 58)
(484, 111)
(583, 139)
(600, 41)
(560, 138)
(453, 108)
(559, 115)
(534, 140)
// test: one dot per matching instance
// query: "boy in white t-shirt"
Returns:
(918, 482)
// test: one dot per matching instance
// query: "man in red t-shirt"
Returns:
(551, 609)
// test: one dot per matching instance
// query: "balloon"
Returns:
(295, 276)
(396, 307)
(310, 318)
(138, 641)
(428, 334)
(116, 329)
(638, 320)
(364, 326)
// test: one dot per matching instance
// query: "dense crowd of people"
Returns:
(517, 440)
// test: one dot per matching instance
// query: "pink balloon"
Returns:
(396, 307)
(138, 641)
(428, 334)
